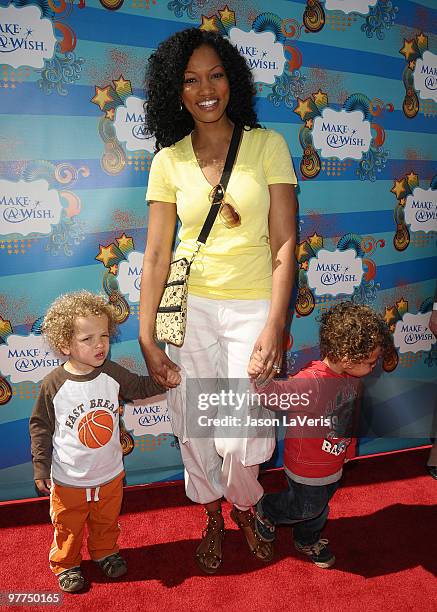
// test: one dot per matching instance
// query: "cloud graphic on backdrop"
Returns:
(342, 134)
(412, 333)
(28, 207)
(129, 276)
(27, 358)
(147, 416)
(26, 39)
(264, 56)
(425, 76)
(421, 210)
(350, 6)
(129, 124)
(335, 272)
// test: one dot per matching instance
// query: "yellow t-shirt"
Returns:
(234, 263)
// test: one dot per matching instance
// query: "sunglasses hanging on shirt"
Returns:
(228, 215)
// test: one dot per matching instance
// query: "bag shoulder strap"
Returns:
(226, 175)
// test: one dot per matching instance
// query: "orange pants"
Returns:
(70, 509)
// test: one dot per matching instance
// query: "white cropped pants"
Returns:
(220, 336)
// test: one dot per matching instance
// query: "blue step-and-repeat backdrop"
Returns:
(352, 86)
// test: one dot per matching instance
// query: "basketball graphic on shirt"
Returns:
(95, 429)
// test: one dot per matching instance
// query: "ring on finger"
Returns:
(276, 367)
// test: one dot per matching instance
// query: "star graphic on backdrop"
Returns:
(402, 305)
(121, 83)
(413, 178)
(208, 24)
(408, 49)
(102, 96)
(398, 188)
(301, 250)
(422, 40)
(5, 327)
(105, 254)
(390, 314)
(320, 98)
(125, 243)
(303, 108)
(110, 114)
(315, 241)
(226, 15)
(113, 269)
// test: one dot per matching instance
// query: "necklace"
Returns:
(215, 163)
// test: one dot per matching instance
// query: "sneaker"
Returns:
(71, 580)
(113, 566)
(432, 469)
(263, 527)
(318, 552)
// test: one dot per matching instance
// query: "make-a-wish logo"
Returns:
(412, 333)
(265, 56)
(421, 210)
(335, 272)
(129, 276)
(26, 39)
(416, 209)
(341, 134)
(419, 73)
(129, 124)
(348, 269)
(28, 207)
(123, 122)
(147, 416)
(268, 47)
(425, 76)
(27, 358)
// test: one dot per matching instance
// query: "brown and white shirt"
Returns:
(74, 425)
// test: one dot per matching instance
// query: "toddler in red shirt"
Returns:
(321, 416)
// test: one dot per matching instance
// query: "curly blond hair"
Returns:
(58, 324)
(352, 332)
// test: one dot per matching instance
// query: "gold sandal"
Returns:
(245, 520)
(210, 560)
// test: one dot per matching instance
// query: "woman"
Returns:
(199, 87)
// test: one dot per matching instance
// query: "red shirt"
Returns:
(319, 426)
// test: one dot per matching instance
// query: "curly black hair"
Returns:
(164, 81)
(352, 331)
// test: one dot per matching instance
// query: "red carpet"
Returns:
(383, 530)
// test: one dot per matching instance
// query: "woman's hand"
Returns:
(268, 349)
(266, 358)
(160, 367)
(157, 256)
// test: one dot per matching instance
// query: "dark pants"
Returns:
(303, 506)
